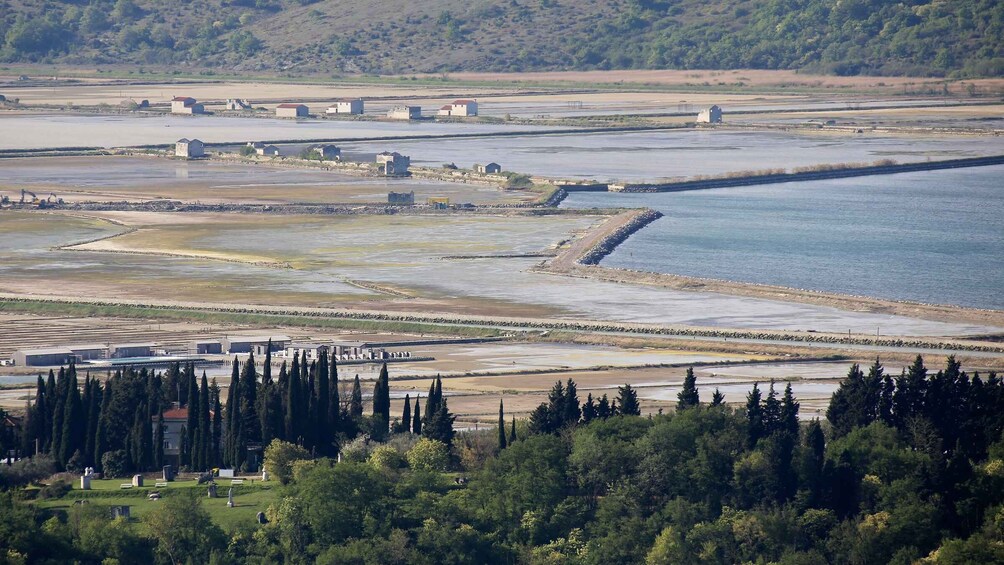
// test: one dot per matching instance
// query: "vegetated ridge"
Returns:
(847, 37)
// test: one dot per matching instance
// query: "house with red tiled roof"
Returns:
(460, 108)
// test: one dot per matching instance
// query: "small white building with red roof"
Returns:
(460, 108)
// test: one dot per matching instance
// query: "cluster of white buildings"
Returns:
(463, 108)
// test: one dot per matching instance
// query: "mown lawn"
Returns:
(249, 499)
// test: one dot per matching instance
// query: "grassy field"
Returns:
(249, 499)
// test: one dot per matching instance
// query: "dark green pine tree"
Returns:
(911, 388)
(603, 408)
(571, 413)
(717, 399)
(512, 432)
(886, 400)
(588, 409)
(501, 427)
(771, 411)
(627, 401)
(416, 417)
(688, 397)
(754, 415)
(405, 425)
(850, 404)
(217, 437)
(356, 402)
(873, 392)
(789, 412)
(439, 424)
(810, 472)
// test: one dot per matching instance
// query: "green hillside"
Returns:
(960, 38)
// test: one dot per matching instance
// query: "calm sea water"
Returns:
(934, 237)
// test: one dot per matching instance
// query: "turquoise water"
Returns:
(935, 237)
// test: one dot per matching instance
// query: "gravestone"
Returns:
(137, 480)
(85, 482)
(168, 473)
(261, 518)
(211, 492)
(264, 475)
(120, 512)
(230, 498)
(226, 473)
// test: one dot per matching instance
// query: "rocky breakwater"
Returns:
(618, 235)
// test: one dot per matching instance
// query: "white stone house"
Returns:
(489, 169)
(393, 164)
(238, 104)
(291, 110)
(267, 150)
(189, 148)
(405, 113)
(712, 115)
(460, 108)
(186, 105)
(346, 106)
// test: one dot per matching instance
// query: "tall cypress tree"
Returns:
(501, 427)
(50, 411)
(158, 440)
(100, 436)
(405, 425)
(356, 402)
(322, 412)
(266, 405)
(416, 418)
(73, 422)
(292, 404)
(205, 426)
(232, 416)
(58, 413)
(688, 397)
(512, 432)
(381, 402)
(192, 421)
(250, 425)
(93, 415)
(216, 458)
(334, 401)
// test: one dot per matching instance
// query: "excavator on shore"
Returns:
(49, 202)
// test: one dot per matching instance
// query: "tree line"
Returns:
(705, 483)
(118, 426)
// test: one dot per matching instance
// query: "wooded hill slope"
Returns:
(961, 38)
